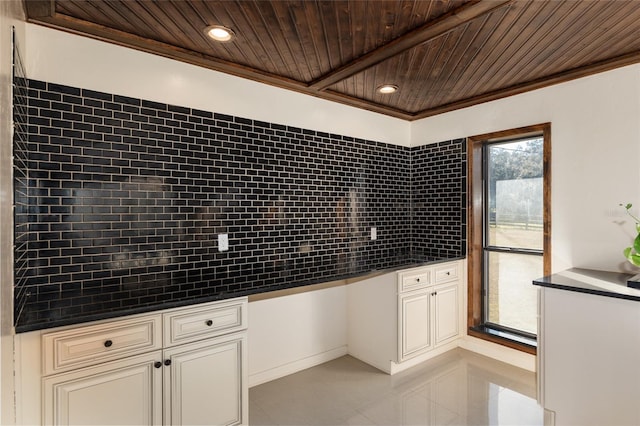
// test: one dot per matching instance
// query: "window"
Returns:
(509, 233)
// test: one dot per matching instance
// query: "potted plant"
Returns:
(633, 253)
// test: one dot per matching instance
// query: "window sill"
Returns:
(504, 338)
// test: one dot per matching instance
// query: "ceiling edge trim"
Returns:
(563, 77)
(112, 36)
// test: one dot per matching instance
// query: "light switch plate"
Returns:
(223, 242)
(374, 233)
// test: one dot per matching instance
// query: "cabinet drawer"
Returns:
(414, 280)
(206, 321)
(446, 273)
(90, 345)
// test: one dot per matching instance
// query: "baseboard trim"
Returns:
(398, 367)
(295, 366)
(382, 366)
(479, 346)
(498, 352)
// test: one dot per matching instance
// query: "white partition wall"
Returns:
(294, 332)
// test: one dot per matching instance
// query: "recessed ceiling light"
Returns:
(219, 33)
(387, 88)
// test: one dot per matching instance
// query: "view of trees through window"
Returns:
(513, 232)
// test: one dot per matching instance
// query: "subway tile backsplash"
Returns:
(438, 190)
(127, 197)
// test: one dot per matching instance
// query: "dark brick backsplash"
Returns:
(122, 201)
(438, 188)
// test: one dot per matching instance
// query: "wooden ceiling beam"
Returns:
(420, 35)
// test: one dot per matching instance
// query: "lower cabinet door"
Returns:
(127, 392)
(206, 382)
(446, 312)
(415, 323)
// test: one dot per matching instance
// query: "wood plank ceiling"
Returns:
(442, 55)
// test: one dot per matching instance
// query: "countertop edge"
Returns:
(587, 291)
(344, 281)
(555, 281)
(252, 296)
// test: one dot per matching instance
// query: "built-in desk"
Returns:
(589, 348)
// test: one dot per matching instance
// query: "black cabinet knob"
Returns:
(108, 344)
(418, 279)
(209, 323)
(157, 364)
(167, 362)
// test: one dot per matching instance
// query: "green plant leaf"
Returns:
(637, 220)
(634, 258)
(633, 253)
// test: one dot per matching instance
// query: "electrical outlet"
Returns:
(374, 233)
(223, 242)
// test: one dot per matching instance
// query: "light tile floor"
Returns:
(457, 388)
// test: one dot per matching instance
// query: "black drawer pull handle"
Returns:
(167, 362)
(209, 323)
(108, 344)
(157, 364)
(418, 279)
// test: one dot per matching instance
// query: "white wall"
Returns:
(291, 333)
(58, 57)
(595, 158)
(10, 15)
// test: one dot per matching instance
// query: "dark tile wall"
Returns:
(439, 188)
(127, 197)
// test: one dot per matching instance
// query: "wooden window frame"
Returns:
(475, 225)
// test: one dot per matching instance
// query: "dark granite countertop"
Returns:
(601, 283)
(343, 279)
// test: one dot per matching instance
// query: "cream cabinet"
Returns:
(204, 384)
(429, 317)
(176, 367)
(415, 324)
(399, 319)
(428, 313)
(126, 392)
(447, 312)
